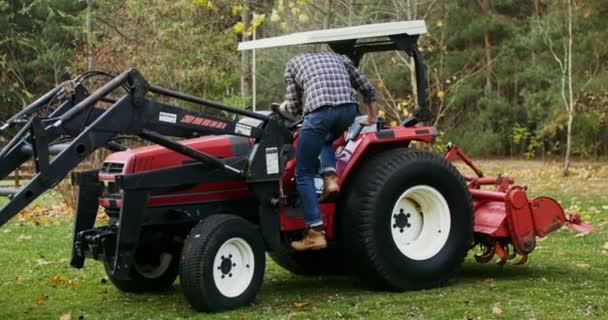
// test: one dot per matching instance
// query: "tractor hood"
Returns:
(156, 157)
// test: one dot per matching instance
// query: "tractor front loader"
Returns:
(208, 207)
(88, 128)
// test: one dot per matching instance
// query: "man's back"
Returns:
(321, 79)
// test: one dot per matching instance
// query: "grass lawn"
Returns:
(566, 277)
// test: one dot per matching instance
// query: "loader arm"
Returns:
(89, 127)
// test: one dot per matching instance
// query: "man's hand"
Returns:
(283, 108)
(369, 121)
(372, 117)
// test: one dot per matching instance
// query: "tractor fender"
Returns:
(370, 143)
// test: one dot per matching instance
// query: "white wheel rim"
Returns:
(233, 267)
(420, 222)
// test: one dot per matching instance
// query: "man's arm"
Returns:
(367, 90)
(293, 94)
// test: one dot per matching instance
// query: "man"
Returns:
(320, 85)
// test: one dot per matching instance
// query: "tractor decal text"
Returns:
(199, 121)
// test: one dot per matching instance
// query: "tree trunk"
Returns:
(328, 19)
(246, 76)
(537, 7)
(487, 40)
(90, 35)
(571, 109)
(412, 12)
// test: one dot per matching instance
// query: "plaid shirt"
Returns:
(321, 79)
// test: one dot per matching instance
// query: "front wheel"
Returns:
(222, 264)
(153, 270)
(408, 224)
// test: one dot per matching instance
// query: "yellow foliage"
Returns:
(211, 6)
(236, 10)
(284, 26)
(393, 123)
(257, 21)
(439, 24)
(238, 27)
(381, 113)
(381, 84)
(200, 3)
(295, 10)
(303, 18)
(440, 94)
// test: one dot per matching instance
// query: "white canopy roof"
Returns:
(349, 33)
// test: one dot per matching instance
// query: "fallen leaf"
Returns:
(23, 237)
(66, 316)
(605, 247)
(41, 299)
(42, 262)
(301, 304)
(582, 265)
(6, 231)
(580, 235)
(74, 283)
(496, 310)
(57, 279)
(18, 280)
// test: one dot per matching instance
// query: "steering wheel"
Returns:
(292, 123)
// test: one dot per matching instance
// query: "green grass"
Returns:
(566, 278)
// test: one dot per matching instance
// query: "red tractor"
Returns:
(208, 208)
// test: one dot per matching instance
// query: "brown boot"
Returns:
(331, 189)
(312, 240)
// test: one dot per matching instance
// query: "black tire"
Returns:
(198, 261)
(149, 274)
(367, 219)
(309, 263)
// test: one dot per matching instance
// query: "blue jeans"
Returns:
(319, 130)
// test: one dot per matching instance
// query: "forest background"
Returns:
(516, 78)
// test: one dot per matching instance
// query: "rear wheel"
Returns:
(222, 264)
(408, 224)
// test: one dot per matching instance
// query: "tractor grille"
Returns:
(112, 168)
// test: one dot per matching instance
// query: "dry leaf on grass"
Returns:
(66, 316)
(74, 283)
(23, 237)
(41, 299)
(582, 234)
(496, 311)
(605, 247)
(42, 262)
(57, 279)
(301, 304)
(582, 265)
